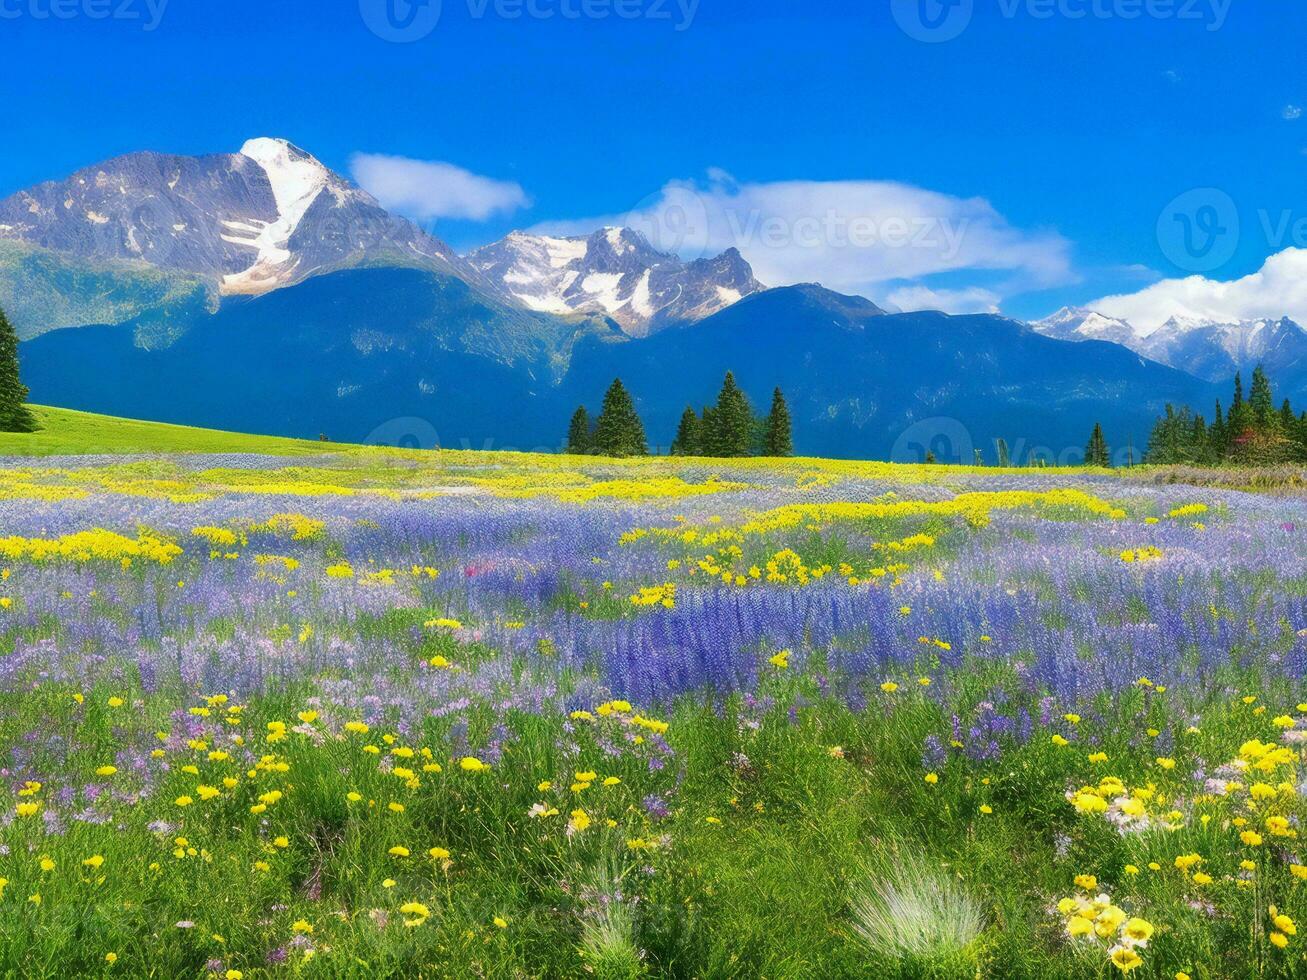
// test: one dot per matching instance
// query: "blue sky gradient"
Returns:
(1085, 127)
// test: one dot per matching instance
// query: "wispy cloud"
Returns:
(972, 300)
(851, 235)
(1292, 112)
(429, 189)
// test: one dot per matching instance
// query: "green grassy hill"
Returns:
(66, 432)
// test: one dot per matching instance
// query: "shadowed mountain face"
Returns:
(395, 354)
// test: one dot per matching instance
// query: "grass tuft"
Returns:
(911, 912)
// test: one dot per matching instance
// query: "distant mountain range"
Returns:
(261, 291)
(1207, 349)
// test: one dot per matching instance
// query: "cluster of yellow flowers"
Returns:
(656, 595)
(93, 545)
(1093, 918)
(579, 489)
(1149, 553)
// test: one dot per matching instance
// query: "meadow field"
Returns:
(281, 709)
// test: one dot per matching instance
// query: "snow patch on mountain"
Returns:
(296, 180)
(1206, 348)
(614, 272)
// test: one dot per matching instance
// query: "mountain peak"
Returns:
(613, 271)
(247, 223)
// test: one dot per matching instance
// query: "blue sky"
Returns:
(1078, 131)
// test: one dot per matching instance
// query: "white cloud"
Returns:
(972, 300)
(851, 235)
(427, 189)
(1292, 112)
(1278, 288)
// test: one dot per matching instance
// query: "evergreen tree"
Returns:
(578, 433)
(619, 431)
(1096, 453)
(1004, 460)
(930, 458)
(1217, 435)
(778, 439)
(14, 414)
(1200, 441)
(1240, 417)
(687, 438)
(1260, 401)
(730, 431)
(1288, 421)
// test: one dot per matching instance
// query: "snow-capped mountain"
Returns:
(1077, 323)
(246, 222)
(1208, 349)
(1214, 351)
(614, 272)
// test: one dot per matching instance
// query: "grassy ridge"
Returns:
(67, 432)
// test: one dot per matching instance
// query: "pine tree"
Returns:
(687, 438)
(14, 414)
(1288, 421)
(1096, 453)
(1218, 435)
(731, 428)
(1200, 441)
(1240, 417)
(1260, 400)
(578, 433)
(778, 440)
(619, 431)
(1004, 460)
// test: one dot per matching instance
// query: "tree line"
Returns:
(1252, 433)
(727, 428)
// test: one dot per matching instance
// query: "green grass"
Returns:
(67, 432)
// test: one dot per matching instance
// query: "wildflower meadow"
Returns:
(377, 713)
